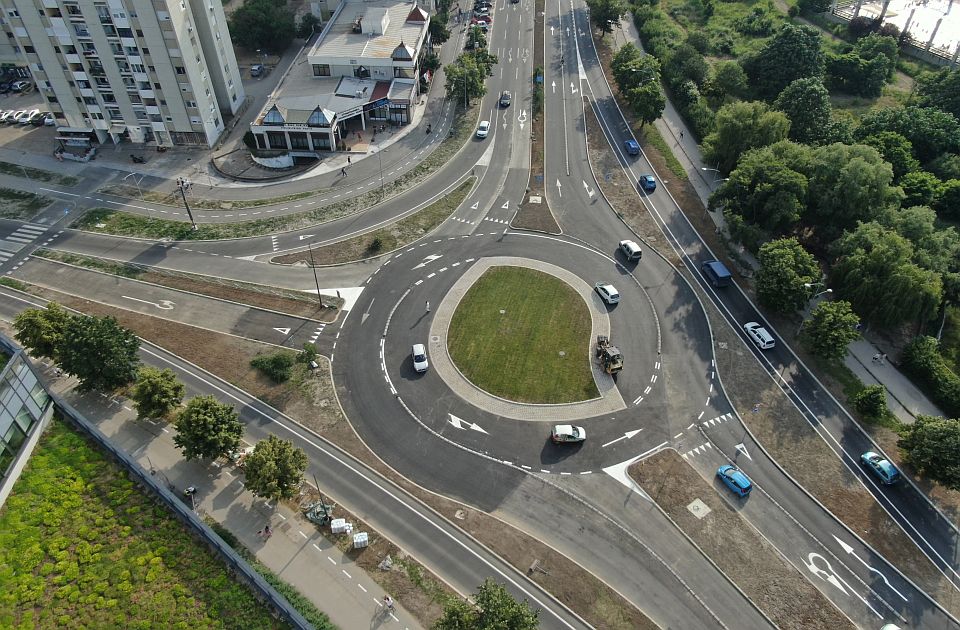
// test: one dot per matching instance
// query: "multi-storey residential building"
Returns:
(158, 71)
(364, 69)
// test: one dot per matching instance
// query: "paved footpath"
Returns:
(903, 397)
(296, 551)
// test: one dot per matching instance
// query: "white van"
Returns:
(631, 250)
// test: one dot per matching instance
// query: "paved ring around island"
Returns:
(609, 400)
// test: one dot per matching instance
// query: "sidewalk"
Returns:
(904, 399)
(296, 551)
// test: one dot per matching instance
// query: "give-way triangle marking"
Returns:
(283, 331)
(475, 205)
(464, 424)
(743, 449)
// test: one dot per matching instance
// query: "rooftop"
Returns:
(371, 30)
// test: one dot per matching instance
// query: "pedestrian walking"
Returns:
(388, 602)
(681, 134)
(876, 358)
(343, 171)
(260, 533)
(883, 358)
(348, 159)
(428, 306)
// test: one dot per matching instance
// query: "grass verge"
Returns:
(21, 205)
(81, 547)
(37, 174)
(744, 555)
(523, 335)
(385, 239)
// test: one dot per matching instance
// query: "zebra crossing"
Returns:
(22, 236)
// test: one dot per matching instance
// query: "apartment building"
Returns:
(140, 71)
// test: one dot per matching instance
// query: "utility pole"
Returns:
(184, 186)
(315, 280)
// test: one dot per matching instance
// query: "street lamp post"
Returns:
(380, 162)
(813, 285)
(183, 185)
(716, 177)
(136, 180)
(315, 279)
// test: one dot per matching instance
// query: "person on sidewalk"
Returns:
(388, 602)
(877, 358)
(343, 171)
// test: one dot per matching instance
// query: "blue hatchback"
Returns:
(881, 468)
(733, 478)
(632, 147)
(647, 183)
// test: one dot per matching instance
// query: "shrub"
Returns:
(923, 362)
(871, 401)
(276, 366)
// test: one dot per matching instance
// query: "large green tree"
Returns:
(263, 24)
(785, 267)
(41, 330)
(646, 101)
(685, 63)
(207, 428)
(465, 79)
(493, 609)
(792, 53)
(605, 15)
(935, 247)
(895, 149)
(941, 90)
(831, 327)
(948, 204)
(930, 131)
(806, 103)
(274, 470)
(727, 80)
(157, 392)
(848, 183)
(920, 188)
(876, 273)
(740, 127)
(932, 445)
(99, 352)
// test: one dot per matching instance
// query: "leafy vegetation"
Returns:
(492, 608)
(786, 271)
(923, 362)
(274, 470)
(263, 25)
(80, 547)
(207, 428)
(831, 328)
(276, 366)
(932, 445)
(21, 205)
(157, 392)
(638, 79)
(37, 174)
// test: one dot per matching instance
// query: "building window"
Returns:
(321, 70)
(277, 139)
(115, 114)
(28, 49)
(180, 69)
(298, 141)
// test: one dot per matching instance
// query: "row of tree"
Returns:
(104, 356)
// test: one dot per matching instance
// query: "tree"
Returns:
(814, 6)
(920, 188)
(99, 352)
(948, 204)
(832, 327)
(946, 166)
(308, 25)
(494, 609)
(740, 127)
(930, 131)
(785, 267)
(606, 14)
(876, 273)
(207, 428)
(871, 401)
(156, 392)
(727, 80)
(851, 73)
(876, 45)
(646, 101)
(807, 104)
(848, 183)
(685, 63)
(439, 32)
(274, 470)
(932, 446)
(895, 149)
(792, 53)
(40, 330)
(940, 89)
(465, 79)
(934, 248)
(263, 25)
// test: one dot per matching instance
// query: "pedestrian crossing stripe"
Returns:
(698, 451)
(718, 420)
(502, 221)
(313, 338)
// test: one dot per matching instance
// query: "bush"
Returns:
(871, 401)
(923, 362)
(276, 366)
(249, 140)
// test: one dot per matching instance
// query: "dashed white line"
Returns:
(677, 435)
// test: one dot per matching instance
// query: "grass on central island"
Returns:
(524, 335)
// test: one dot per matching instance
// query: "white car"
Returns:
(419, 354)
(631, 250)
(759, 335)
(566, 433)
(483, 129)
(15, 116)
(29, 116)
(607, 293)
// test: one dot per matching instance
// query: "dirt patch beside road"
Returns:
(753, 564)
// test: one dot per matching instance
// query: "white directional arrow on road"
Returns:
(588, 189)
(573, 88)
(559, 194)
(522, 118)
(465, 424)
(283, 331)
(743, 449)
(366, 313)
(305, 236)
(553, 84)
(849, 550)
(551, 31)
(165, 305)
(428, 259)
(625, 436)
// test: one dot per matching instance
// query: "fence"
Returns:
(923, 50)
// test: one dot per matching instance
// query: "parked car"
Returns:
(483, 129)
(881, 468)
(7, 114)
(759, 335)
(49, 120)
(22, 86)
(733, 478)
(29, 116)
(419, 354)
(632, 147)
(481, 12)
(41, 120)
(482, 25)
(6, 86)
(505, 99)
(15, 116)
(567, 433)
(256, 70)
(647, 183)
(607, 293)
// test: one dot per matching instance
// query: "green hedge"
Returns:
(276, 366)
(922, 360)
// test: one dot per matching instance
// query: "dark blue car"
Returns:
(647, 183)
(733, 478)
(631, 147)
